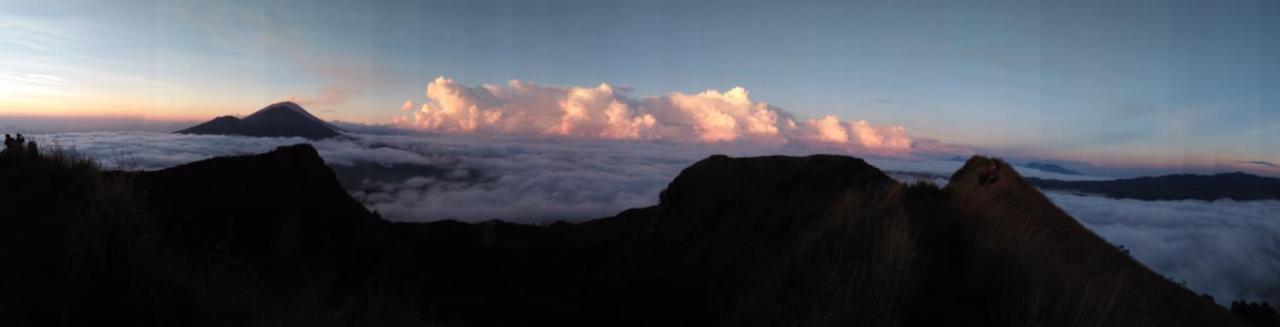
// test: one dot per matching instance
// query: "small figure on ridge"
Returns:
(991, 175)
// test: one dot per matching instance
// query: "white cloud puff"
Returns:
(605, 112)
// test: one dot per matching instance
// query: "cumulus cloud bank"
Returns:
(605, 112)
(1228, 249)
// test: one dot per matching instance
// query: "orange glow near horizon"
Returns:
(71, 109)
(188, 108)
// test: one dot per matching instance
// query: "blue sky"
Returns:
(1156, 82)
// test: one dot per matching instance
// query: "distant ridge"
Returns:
(1051, 168)
(1235, 186)
(281, 119)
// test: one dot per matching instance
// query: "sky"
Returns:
(1121, 84)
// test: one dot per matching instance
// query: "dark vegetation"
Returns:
(273, 239)
(1236, 186)
(284, 119)
(1257, 314)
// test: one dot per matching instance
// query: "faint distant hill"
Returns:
(1051, 168)
(1235, 186)
(282, 119)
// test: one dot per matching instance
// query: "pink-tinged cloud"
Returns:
(605, 112)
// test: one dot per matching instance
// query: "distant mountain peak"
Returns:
(290, 106)
(1051, 168)
(280, 119)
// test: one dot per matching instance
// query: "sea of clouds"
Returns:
(1227, 249)
(475, 177)
(460, 177)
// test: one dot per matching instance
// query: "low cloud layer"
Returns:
(414, 177)
(435, 177)
(1228, 249)
(525, 180)
(606, 112)
(150, 151)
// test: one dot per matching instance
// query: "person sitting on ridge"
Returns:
(991, 175)
(14, 144)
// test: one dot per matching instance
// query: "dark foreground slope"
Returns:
(1235, 186)
(283, 119)
(270, 239)
(822, 240)
(1028, 252)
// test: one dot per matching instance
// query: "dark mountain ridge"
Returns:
(1236, 186)
(272, 239)
(282, 119)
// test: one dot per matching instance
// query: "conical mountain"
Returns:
(282, 119)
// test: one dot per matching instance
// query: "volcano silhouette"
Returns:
(281, 119)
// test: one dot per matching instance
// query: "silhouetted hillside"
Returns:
(272, 239)
(1235, 186)
(283, 119)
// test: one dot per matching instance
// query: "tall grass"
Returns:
(974, 253)
(1038, 266)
